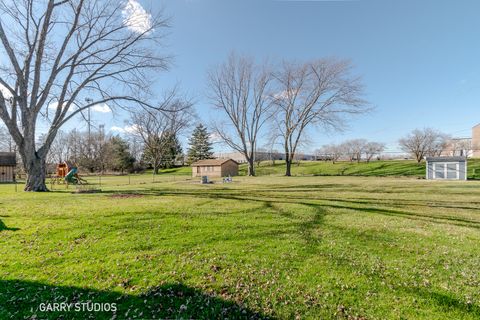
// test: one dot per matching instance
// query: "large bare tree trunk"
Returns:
(251, 167)
(288, 170)
(288, 163)
(34, 163)
(35, 167)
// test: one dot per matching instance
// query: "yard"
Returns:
(265, 247)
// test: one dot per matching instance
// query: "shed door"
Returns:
(452, 170)
(443, 170)
(439, 170)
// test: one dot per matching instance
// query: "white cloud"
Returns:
(53, 105)
(215, 137)
(131, 129)
(125, 129)
(284, 95)
(102, 108)
(135, 17)
(117, 129)
(6, 93)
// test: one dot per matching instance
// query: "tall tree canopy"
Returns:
(240, 90)
(316, 93)
(59, 52)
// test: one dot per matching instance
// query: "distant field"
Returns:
(265, 247)
(374, 168)
(395, 168)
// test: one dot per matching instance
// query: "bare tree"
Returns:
(59, 52)
(373, 148)
(239, 88)
(358, 148)
(59, 149)
(317, 93)
(353, 149)
(438, 143)
(6, 141)
(423, 142)
(154, 127)
(460, 147)
(332, 152)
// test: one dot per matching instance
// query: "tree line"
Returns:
(352, 150)
(100, 152)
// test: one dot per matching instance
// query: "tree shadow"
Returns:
(269, 200)
(3, 227)
(33, 300)
(413, 216)
(446, 302)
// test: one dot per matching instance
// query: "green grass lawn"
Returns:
(266, 247)
(345, 168)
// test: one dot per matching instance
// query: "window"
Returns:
(442, 170)
(439, 170)
(452, 170)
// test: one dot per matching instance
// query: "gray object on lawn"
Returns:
(446, 168)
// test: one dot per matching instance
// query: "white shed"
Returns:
(446, 168)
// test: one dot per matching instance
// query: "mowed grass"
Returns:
(383, 168)
(265, 247)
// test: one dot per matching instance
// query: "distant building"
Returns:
(215, 168)
(464, 147)
(458, 147)
(446, 168)
(8, 163)
(476, 141)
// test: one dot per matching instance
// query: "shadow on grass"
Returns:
(446, 302)
(3, 227)
(23, 299)
(270, 200)
(413, 216)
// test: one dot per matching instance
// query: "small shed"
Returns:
(215, 168)
(8, 163)
(442, 168)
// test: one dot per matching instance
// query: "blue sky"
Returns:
(420, 60)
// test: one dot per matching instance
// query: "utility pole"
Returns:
(89, 120)
(88, 101)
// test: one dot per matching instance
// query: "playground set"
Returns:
(67, 173)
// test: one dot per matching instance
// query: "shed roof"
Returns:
(446, 159)
(211, 162)
(8, 159)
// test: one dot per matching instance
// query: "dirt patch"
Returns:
(126, 195)
(87, 191)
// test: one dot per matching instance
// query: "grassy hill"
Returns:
(386, 168)
(343, 168)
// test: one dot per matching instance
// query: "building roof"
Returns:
(8, 159)
(211, 162)
(446, 159)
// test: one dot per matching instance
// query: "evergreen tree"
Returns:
(200, 145)
(120, 154)
(172, 151)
